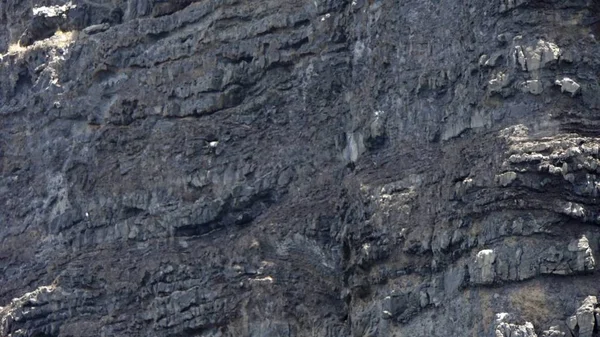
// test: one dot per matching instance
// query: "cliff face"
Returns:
(299, 168)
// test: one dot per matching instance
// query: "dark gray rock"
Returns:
(299, 168)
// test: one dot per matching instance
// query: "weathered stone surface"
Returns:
(534, 87)
(568, 85)
(585, 316)
(299, 168)
(554, 331)
(505, 329)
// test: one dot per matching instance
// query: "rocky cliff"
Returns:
(299, 168)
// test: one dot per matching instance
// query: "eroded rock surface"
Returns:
(299, 168)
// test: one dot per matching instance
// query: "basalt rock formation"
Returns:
(299, 168)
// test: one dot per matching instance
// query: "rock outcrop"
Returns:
(299, 168)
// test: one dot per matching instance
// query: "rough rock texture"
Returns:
(299, 168)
